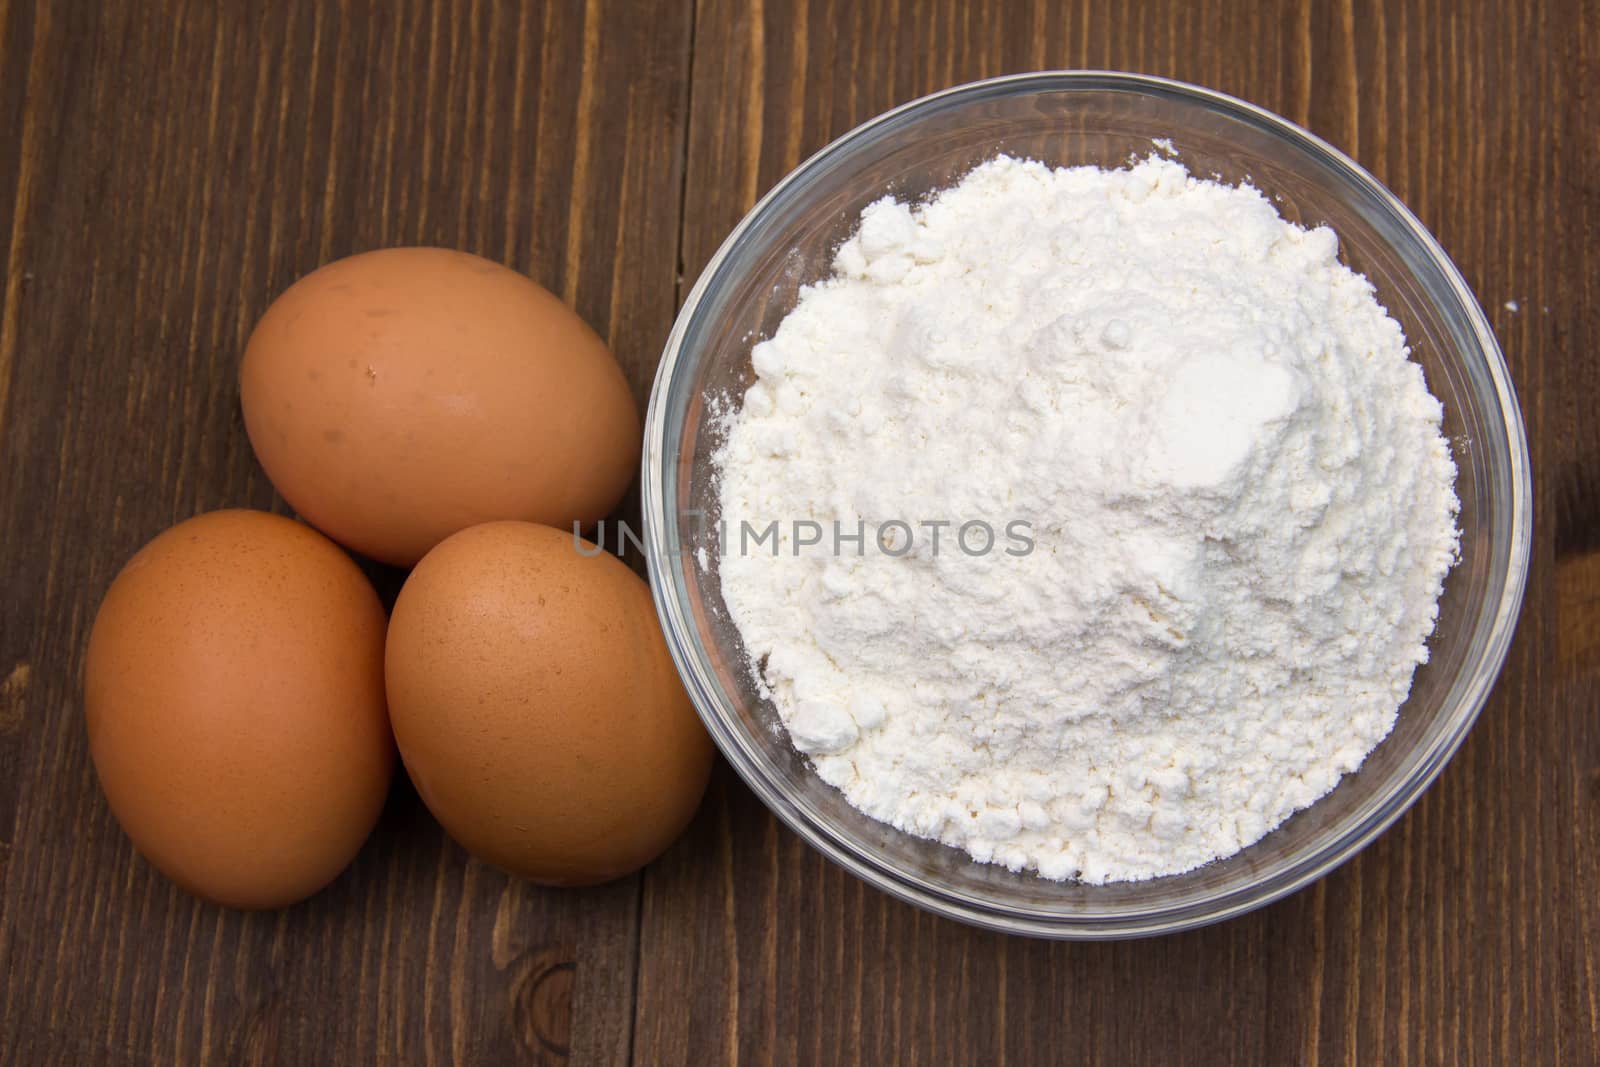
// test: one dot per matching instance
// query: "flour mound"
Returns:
(1240, 506)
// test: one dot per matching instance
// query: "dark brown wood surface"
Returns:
(166, 168)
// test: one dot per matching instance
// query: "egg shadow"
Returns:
(385, 578)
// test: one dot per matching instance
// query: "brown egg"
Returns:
(398, 396)
(234, 696)
(537, 708)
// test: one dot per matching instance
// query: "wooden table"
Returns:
(167, 168)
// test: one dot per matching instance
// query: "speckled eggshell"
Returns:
(234, 696)
(537, 708)
(398, 396)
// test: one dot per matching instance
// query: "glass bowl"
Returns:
(1083, 118)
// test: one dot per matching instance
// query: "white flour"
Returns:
(1241, 511)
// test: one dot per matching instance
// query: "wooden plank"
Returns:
(173, 166)
(179, 165)
(1468, 932)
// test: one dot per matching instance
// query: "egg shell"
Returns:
(397, 396)
(233, 691)
(537, 708)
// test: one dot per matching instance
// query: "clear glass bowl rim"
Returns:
(658, 473)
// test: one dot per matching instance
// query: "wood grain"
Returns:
(1466, 933)
(179, 165)
(170, 166)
